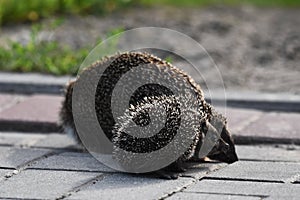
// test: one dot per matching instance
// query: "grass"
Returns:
(12, 11)
(51, 57)
(43, 56)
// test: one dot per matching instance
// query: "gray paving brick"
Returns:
(43, 184)
(32, 83)
(283, 102)
(13, 157)
(297, 179)
(282, 190)
(33, 78)
(52, 140)
(275, 125)
(75, 154)
(240, 118)
(199, 170)
(72, 161)
(197, 196)
(270, 171)
(55, 140)
(19, 139)
(294, 196)
(3, 172)
(268, 153)
(126, 186)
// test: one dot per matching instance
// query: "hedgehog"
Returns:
(150, 97)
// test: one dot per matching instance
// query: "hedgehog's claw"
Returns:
(163, 174)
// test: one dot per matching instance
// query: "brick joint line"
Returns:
(82, 186)
(14, 198)
(60, 149)
(241, 179)
(257, 160)
(194, 180)
(192, 183)
(224, 193)
(70, 170)
(24, 166)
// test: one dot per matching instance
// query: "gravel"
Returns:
(255, 48)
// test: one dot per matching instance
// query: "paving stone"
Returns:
(269, 171)
(38, 108)
(268, 152)
(197, 196)
(80, 161)
(75, 154)
(32, 83)
(5, 98)
(55, 140)
(275, 125)
(198, 170)
(297, 179)
(52, 140)
(13, 157)
(3, 172)
(43, 184)
(239, 118)
(250, 95)
(38, 113)
(249, 125)
(19, 139)
(289, 191)
(8, 100)
(292, 192)
(126, 186)
(283, 102)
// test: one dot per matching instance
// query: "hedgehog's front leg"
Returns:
(172, 171)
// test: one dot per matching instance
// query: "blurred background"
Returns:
(255, 43)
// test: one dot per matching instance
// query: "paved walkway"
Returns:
(39, 113)
(37, 161)
(47, 166)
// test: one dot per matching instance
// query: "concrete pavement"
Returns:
(38, 161)
(40, 113)
(37, 166)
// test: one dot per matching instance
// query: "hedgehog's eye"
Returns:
(224, 146)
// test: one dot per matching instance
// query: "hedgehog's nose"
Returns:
(232, 157)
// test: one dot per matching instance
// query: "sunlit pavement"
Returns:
(37, 161)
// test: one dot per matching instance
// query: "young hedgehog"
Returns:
(149, 97)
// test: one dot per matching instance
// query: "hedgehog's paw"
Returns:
(199, 160)
(168, 175)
